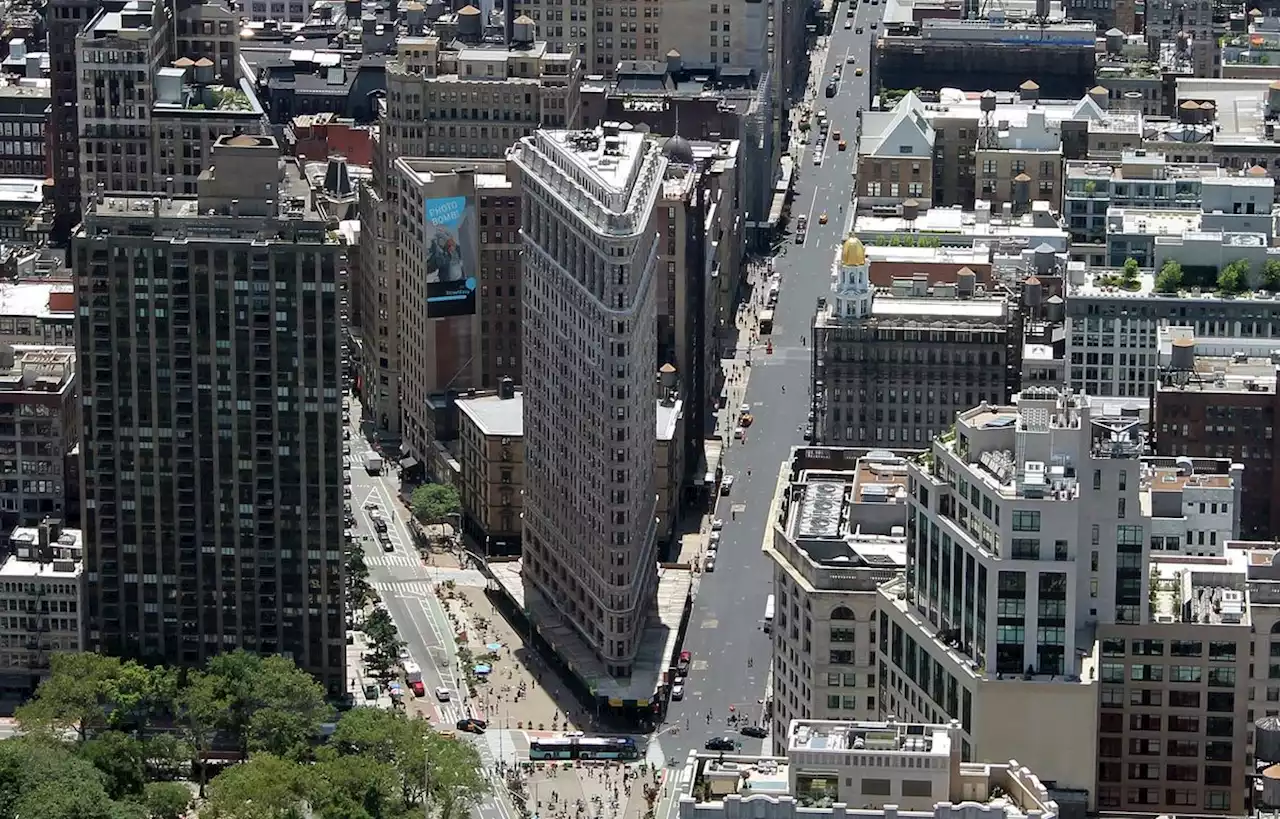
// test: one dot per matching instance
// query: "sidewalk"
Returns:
(513, 694)
(593, 790)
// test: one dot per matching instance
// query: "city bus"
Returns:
(768, 614)
(584, 748)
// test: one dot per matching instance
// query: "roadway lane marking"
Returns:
(808, 220)
(710, 624)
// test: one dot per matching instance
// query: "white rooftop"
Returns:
(887, 305)
(831, 736)
(494, 415)
(31, 298)
(669, 419)
(1240, 105)
(21, 190)
(612, 160)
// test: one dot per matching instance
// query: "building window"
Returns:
(1024, 521)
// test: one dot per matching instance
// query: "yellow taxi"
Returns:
(843, 145)
(858, 71)
(822, 220)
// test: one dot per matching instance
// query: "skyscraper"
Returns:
(589, 345)
(209, 331)
(66, 18)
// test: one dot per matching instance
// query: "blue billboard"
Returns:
(451, 268)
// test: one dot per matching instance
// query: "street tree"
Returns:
(435, 502)
(41, 777)
(385, 642)
(454, 777)
(166, 800)
(78, 695)
(201, 707)
(272, 705)
(263, 787)
(357, 787)
(389, 737)
(168, 754)
(121, 758)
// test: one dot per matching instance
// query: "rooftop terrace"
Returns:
(878, 737)
(1204, 590)
(809, 781)
(845, 529)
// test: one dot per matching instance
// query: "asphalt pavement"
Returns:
(730, 651)
(407, 589)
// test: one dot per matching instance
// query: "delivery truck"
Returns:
(413, 676)
(373, 463)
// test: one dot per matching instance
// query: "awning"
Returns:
(408, 463)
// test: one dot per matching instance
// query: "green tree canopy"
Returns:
(359, 787)
(272, 705)
(1130, 270)
(41, 777)
(1169, 280)
(84, 693)
(385, 642)
(166, 800)
(1234, 277)
(1271, 275)
(389, 737)
(122, 760)
(434, 502)
(455, 777)
(264, 787)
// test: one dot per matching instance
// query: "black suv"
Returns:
(471, 725)
(721, 744)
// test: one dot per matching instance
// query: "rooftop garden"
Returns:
(1233, 279)
(223, 99)
(1127, 279)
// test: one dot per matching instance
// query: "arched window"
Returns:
(842, 613)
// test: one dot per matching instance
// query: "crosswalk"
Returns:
(425, 586)
(392, 560)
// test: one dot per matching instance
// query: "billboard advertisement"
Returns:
(451, 270)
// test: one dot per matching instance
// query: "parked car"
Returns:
(418, 689)
(721, 744)
(716, 524)
(709, 564)
(756, 731)
(677, 692)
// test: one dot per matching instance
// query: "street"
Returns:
(730, 652)
(407, 589)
